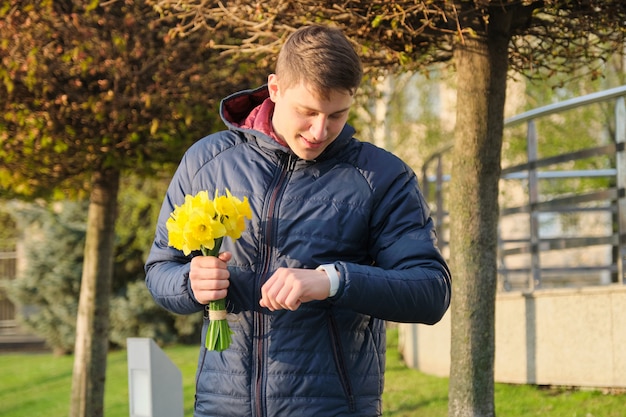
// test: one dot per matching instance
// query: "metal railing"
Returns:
(592, 252)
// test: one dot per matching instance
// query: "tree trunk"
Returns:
(482, 71)
(92, 326)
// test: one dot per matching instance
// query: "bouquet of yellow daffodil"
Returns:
(201, 224)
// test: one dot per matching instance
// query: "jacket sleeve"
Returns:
(167, 269)
(409, 280)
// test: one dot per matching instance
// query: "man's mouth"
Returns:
(312, 144)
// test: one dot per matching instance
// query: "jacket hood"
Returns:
(236, 107)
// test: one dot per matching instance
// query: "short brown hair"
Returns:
(322, 57)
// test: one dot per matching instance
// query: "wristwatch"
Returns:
(333, 277)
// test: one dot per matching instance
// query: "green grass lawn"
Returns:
(39, 385)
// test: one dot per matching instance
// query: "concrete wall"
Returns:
(571, 337)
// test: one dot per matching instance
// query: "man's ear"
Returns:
(272, 86)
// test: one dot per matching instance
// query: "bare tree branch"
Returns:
(554, 35)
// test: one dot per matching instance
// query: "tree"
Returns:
(133, 310)
(89, 90)
(8, 233)
(483, 40)
(53, 238)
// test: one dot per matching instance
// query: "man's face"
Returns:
(306, 122)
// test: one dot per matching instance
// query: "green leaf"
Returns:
(92, 6)
(377, 21)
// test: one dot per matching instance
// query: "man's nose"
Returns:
(319, 127)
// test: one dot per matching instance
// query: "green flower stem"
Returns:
(218, 336)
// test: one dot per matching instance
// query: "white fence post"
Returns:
(155, 384)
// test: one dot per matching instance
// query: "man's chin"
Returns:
(307, 154)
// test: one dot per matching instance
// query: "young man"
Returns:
(340, 241)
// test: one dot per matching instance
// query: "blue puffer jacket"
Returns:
(356, 206)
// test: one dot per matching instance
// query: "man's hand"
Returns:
(209, 277)
(290, 287)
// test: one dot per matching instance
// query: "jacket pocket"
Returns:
(340, 362)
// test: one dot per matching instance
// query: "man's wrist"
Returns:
(333, 277)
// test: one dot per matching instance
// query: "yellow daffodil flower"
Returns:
(200, 224)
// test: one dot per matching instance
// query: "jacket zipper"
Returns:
(340, 362)
(285, 165)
